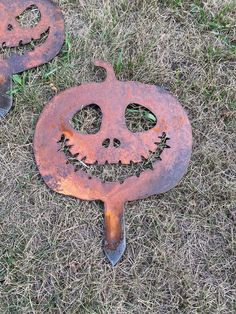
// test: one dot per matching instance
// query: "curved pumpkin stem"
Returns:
(108, 67)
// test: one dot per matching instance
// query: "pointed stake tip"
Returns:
(3, 113)
(115, 255)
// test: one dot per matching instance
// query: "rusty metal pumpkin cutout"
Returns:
(113, 97)
(46, 38)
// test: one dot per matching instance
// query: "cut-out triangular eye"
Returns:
(139, 119)
(88, 120)
(30, 17)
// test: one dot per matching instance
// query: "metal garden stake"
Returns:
(112, 96)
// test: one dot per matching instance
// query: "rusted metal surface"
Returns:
(12, 34)
(113, 97)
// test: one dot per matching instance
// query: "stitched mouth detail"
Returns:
(114, 172)
(21, 49)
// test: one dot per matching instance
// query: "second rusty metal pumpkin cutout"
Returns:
(13, 35)
(113, 97)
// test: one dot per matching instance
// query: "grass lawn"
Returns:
(181, 246)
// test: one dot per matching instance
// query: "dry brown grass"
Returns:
(180, 255)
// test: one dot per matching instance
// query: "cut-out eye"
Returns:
(30, 17)
(139, 119)
(88, 120)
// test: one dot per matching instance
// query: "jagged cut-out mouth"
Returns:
(110, 172)
(21, 49)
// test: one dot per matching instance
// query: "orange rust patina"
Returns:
(113, 97)
(50, 28)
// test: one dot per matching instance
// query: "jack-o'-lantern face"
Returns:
(112, 144)
(15, 33)
(26, 46)
(114, 157)
(115, 143)
(49, 24)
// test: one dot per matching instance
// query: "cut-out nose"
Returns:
(106, 142)
(115, 142)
